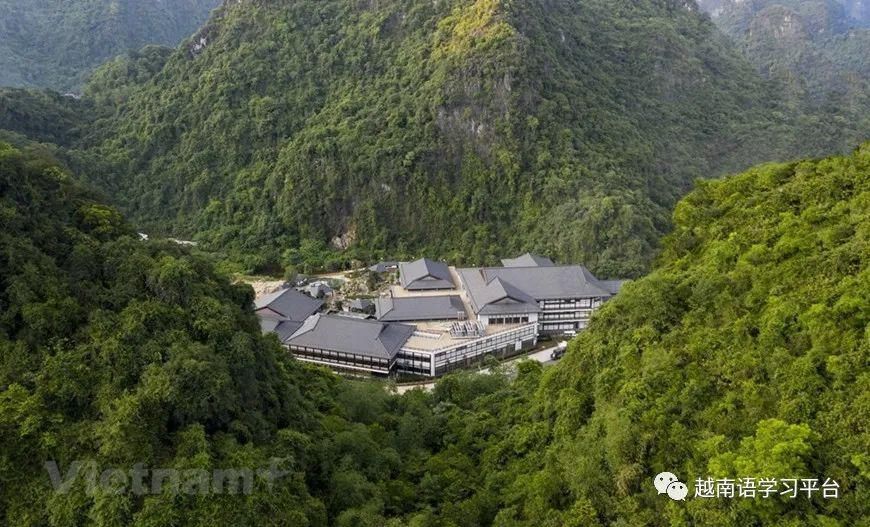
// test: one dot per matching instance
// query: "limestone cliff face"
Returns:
(779, 26)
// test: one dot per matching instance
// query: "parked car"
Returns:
(559, 352)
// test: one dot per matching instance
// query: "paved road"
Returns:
(542, 356)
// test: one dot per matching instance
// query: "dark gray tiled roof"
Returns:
(528, 260)
(289, 303)
(318, 289)
(537, 283)
(500, 297)
(543, 283)
(425, 274)
(496, 297)
(408, 309)
(281, 327)
(349, 335)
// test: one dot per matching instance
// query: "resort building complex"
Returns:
(439, 318)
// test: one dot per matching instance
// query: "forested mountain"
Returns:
(42, 116)
(117, 353)
(818, 50)
(56, 44)
(852, 12)
(744, 353)
(466, 129)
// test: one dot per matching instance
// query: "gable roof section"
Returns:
(550, 283)
(425, 274)
(501, 291)
(528, 260)
(489, 287)
(281, 327)
(408, 309)
(289, 303)
(353, 336)
(496, 297)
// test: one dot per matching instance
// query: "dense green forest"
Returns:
(56, 44)
(744, 352)
(115, 352)
(42, 116)
(462, 129)
(818, 51)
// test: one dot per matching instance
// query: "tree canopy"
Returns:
(312, 133)
(51, 44)
(744, 353)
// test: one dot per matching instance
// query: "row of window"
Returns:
(557, 327)
(475, 348)
(502, 340)
(509, 320)
(506, 351)
(421, 363)
(572, 315)
(422, 368)
(341, 358)
(583, 301)
(561, 306)
(413, 355)
(414, 362)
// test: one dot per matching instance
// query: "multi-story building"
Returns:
(435, 350)
(439, 318)
(349, 344)
(559, 297)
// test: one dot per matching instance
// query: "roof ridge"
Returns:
(554, 266)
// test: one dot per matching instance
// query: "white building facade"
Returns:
(438, 356)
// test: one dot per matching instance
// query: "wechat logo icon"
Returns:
(670, 484)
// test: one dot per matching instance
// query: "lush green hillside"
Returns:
(848, 12)
(52, 44)
(744, 354)
(465, 129)
(43, 116)
(119, 353)
(129, 355)
(815, 49)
